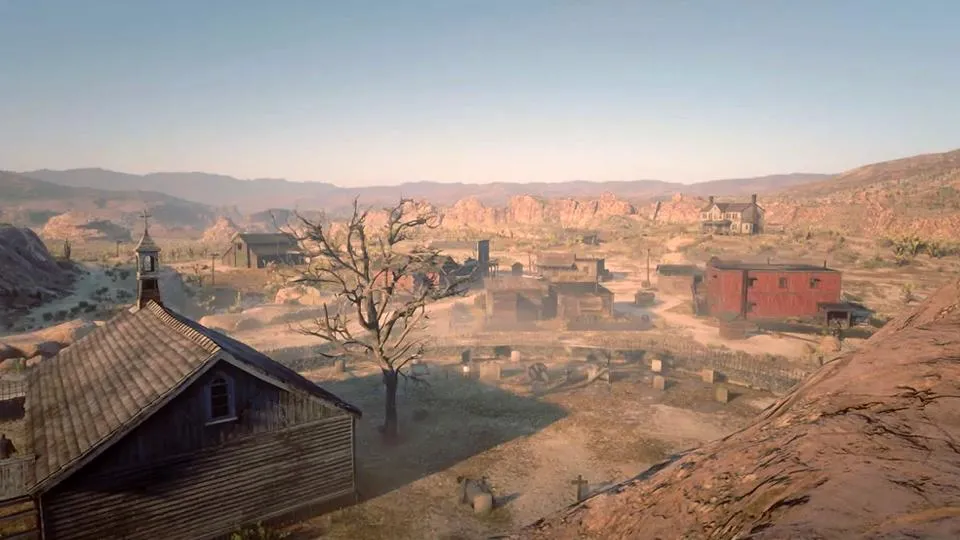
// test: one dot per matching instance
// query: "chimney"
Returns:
(710, 199)
(753, 198)
(824, 263)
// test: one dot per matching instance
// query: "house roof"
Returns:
(581, 289)
(556, 260)
(515, 283)
(678, 270)
(271, 239)
(763, 267)
(93, 392)
(739, 207)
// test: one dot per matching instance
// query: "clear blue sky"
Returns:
(379, 92)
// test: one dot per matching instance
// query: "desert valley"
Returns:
(608, 340)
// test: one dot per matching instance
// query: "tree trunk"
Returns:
(390, 379)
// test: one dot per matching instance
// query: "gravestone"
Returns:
(514, 356)
(709, 376)
(490, 371)
(419, 369)
(722, 394)
(659, 383)
(581, 484)
(656, 365)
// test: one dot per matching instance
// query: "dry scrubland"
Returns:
(529, 446)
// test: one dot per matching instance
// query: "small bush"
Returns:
(48, 316)
(258, 532)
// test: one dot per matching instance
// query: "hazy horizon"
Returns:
(475, 92)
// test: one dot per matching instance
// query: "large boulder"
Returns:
(29, 274)
(301, 294)
(865, 447)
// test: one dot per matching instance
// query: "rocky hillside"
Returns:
(29, 274)
(81, 226)
(260, 194)
(918, 195)
(29, 202)
(220, 232)
(865, 448)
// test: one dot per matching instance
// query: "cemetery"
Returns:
(492, 437)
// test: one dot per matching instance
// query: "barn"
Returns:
(769, 291)
(154, 426)
(257, 250)
(582, 301)
(678, 279)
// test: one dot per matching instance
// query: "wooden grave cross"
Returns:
(581, 487)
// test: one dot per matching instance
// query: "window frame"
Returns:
(814, 283)
(783, 283)
(228, 382)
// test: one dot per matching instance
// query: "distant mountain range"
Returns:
(261, 194)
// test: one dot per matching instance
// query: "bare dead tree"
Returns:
(381, 291)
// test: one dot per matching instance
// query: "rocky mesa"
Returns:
(866, 447)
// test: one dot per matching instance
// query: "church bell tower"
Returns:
(148, 267)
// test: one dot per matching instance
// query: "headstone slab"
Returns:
(490, 371)
(483, 503)
(659, 383)
(656, 365)
(722, 394)
(709, 376)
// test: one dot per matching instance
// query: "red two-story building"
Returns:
(770, 291)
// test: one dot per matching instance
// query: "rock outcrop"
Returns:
(80, 227)
(220, 233)
(866, 447)
(29, 275)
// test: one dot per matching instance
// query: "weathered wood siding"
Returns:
(181, 427)
(570, 306)
(238, 254)
(207, 493)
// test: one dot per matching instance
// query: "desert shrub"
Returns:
(124, 274)
(258, 532)
(60, 315)
(907, 293)
(47, 317)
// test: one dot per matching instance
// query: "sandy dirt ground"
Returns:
(530, 447)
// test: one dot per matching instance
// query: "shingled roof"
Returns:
(556, 260)
(106, 383)
(283, 239)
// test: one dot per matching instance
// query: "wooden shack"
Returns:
(568, 267)
(512, 299)
(678, 279)
(582, 301)
(154, 426)
(257, 250)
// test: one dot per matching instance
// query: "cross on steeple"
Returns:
(146, 217)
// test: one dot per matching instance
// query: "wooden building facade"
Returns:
(567, 267)
(678, 279)
(154, 426)
(732, 217)
(582, 301)
(769, 291)
(257, 250)
(516, 299)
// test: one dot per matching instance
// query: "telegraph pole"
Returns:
(213, 269)
(648, 267)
